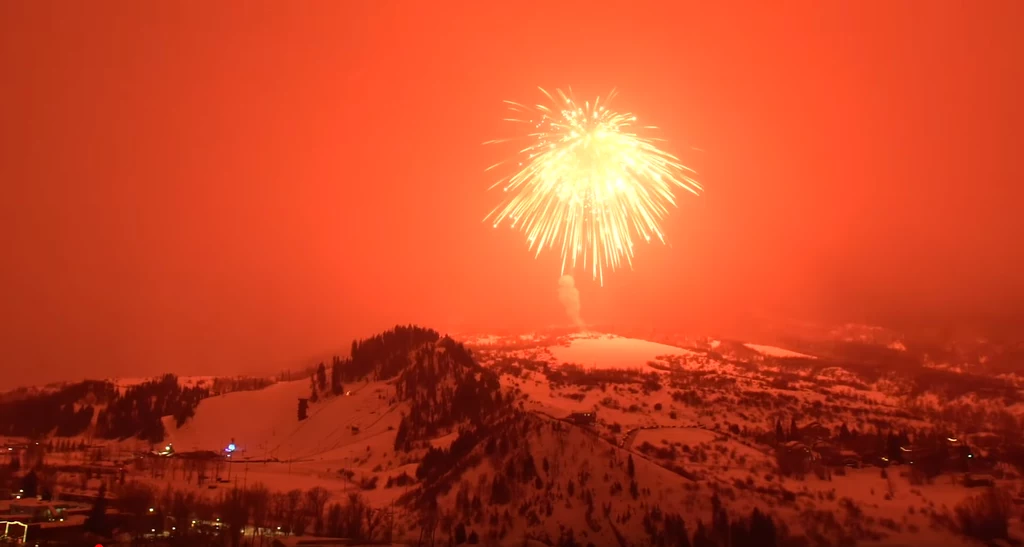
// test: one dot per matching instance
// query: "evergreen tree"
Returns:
(96, 521)
(336, 386)
(630, 469)
(675, 531)
(30, 485)
(313, 397)
(321, 378)
(762, 529)
(402, 435)
(779, 434)
(719, 521)
(303, 409)
(700, 536)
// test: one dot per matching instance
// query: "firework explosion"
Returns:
(587, 184)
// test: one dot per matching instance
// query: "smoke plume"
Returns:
(569, 296)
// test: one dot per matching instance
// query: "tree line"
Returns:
(191, 519)
(137, 411)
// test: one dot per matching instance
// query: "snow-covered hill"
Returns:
(264, 424)
(501, 451)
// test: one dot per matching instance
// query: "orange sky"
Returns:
(224, 189)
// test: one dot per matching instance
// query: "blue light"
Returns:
(231, 447)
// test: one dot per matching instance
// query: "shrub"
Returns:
(369, 483)
(985, 516)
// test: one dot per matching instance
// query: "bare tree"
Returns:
(279, 508)
(334, 522)
(428, 524)
(180, 510)
(236, 515)
(201, 466)
(373, 518)
(258, 500)
(446, 522)
(296, 517)
(353, 516)
(316, 499)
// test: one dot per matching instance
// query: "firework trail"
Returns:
(587, 184)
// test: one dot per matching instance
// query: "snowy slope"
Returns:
(610, 351)
(264, 424)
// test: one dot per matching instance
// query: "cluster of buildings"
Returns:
(814, 444)
(24, 519)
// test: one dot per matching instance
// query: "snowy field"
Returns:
(609, 351)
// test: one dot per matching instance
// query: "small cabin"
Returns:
(814, 431)
(583, 418)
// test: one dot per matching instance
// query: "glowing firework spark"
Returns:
(587, 184)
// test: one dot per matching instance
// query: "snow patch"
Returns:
(606, 351)
(772, 351)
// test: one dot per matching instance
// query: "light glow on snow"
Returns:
(610, 351)
(772, 351)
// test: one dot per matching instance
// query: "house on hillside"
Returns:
(795, 457)
(583, 418)
(814, 431)
(849, 458)
(826, 452)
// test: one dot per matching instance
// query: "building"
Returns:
(583, 418)
(34, 511)
(814, 431)
(795, 457)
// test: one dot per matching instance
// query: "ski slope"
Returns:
(264, 424)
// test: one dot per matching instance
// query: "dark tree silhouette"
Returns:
(336, 372)
(96, 522)
(30, 485)
(321, 378)
(402, 435)
(700, 537)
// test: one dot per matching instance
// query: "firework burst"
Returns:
(587, 184)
